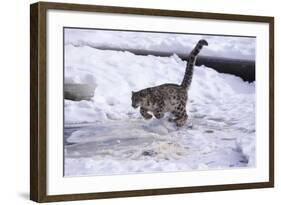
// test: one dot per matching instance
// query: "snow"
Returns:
(107, 136)
(236, 47)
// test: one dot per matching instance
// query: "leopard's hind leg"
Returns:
(180, 117)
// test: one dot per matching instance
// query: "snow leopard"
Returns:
(168, 98)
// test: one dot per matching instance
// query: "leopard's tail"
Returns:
(186, 82)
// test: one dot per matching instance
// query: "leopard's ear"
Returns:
(142, 94)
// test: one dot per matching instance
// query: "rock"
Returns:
(209, 131)
(79, 92)
(149, 153)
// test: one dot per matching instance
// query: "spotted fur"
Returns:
(170, 98)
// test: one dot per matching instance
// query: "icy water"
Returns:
(136, 146)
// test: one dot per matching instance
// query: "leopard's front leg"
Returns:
(158, 113)
(144, 113)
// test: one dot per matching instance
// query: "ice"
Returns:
(131, 147)
(107, 136)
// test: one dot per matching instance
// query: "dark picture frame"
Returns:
(38, 101)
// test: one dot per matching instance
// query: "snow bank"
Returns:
(221, 46)
(220, 132)
(117, 74)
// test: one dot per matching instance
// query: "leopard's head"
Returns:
(136, 99)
